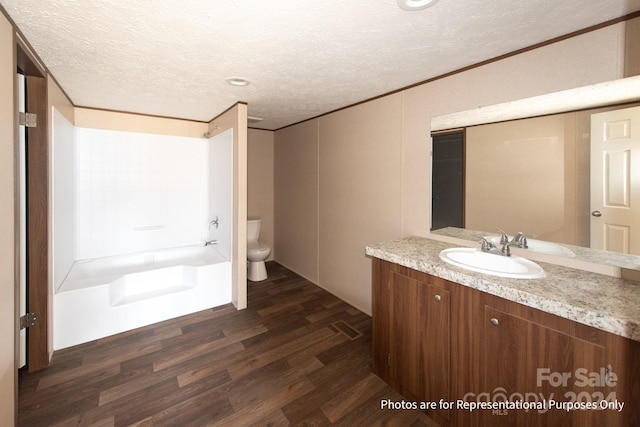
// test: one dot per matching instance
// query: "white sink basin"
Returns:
(539, 246)
(497, 265)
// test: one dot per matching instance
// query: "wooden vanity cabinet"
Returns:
(434, 339)
(517, 340)
(411, 333)
(523, 357)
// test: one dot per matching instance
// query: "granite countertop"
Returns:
(604, 302)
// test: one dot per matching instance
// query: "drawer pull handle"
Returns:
(438, 298)
(494, 321)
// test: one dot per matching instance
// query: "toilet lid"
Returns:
(257, 246)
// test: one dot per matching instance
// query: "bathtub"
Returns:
(105, 296)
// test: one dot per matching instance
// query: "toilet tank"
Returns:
(253, 228)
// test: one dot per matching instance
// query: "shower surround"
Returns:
(130, 220)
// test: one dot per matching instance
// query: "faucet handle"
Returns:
(504, 237)
(518, 237)
(485, 245)
(521, 239)
(214, 222)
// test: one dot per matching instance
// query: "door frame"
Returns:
(37, 199)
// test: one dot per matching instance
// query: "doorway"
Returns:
(447, 180)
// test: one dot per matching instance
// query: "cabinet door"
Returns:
(420, 329)
(523, 358)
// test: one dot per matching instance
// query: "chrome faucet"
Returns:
(488, 247)
(519, 240)
(210, 242)
(506, 248)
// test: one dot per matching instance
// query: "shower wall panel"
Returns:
(64, 212)
(221, 191)
(139, 192)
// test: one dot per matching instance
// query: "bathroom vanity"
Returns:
(452, 338)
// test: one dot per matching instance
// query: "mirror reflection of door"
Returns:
(615, 181)
(447, 177)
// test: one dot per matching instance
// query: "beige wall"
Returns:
(363, 197)
(632, 47)
(521, 175)
(260, 182)
(360, 195)
(296, 198)
(8, 369)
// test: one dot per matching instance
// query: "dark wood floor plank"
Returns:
(80, 420)
(316, 348)
(342, 403)
(190, 352)
(330, 380)
(83, 374)
(315, 418)
(204, 367)
(278, 362)
(143, 403)
(198, 403)
(249, 364)
(275, 400)
(278, 375)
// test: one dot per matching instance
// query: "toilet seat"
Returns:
(256, 246)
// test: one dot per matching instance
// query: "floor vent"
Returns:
(347, 329)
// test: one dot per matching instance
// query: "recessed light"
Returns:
(415, 4)
(238, 81)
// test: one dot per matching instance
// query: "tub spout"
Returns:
(210, 242)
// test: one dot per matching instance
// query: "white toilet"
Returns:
(257, 252)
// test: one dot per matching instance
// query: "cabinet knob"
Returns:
(438, 298)
(494, 321)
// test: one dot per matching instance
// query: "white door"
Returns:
(615, 181)
(22, 220)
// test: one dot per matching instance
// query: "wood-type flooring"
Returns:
(296, 356)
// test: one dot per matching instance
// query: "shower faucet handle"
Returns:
(214, 222)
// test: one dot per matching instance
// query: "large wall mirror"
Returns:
(563, 167)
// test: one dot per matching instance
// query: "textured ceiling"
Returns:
(303, 57)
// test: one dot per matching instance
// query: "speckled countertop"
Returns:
(604, 302)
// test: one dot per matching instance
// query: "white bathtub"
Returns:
(105, 296)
